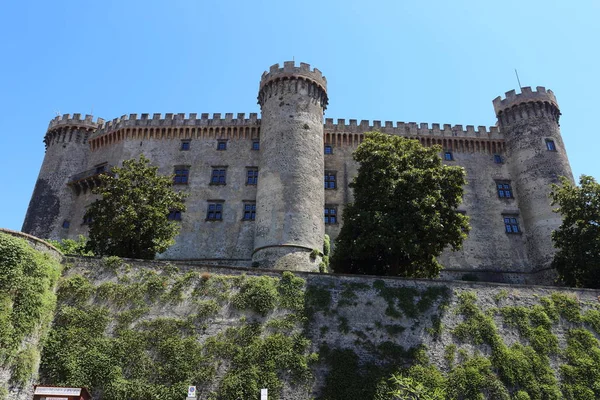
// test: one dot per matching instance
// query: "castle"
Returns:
(265, 191)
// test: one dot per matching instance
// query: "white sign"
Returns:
(55, 398)
(263, 394)
(191, 391)
(64, 391)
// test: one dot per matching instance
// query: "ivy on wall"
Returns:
(104, 337)
(27, 302)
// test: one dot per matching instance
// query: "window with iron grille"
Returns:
(328, 149)
(181, 175)
(497, 158)
(222, 145)
(330, 180)
(215, 212)
(330, 215)
(504, 190)
(550, 145)
(218, 176)
(511, 224)
(249, 212)
(185, 145)
(255, 145)
(448, 156)
(251, 176)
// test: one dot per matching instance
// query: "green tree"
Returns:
(577, 240)
(130, 219)
(404, 210)
(72, 247)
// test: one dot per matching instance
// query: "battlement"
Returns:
(291, 70)
(527, 95)
(177, 120)
(76, 120)
(411, 129)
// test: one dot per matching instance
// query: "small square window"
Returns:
(221, 145)
(251, 176)
(174, 215)
(511, 225)
(249, 212)
(330, 180)
(550, 145)
(66, 224)
(328, 149)
(218, 176)
(255, 145)
(185, 145)
(330, 215)
(448, 156)
(497, 158)
(181, 175)
(215, 212)
(504, 190)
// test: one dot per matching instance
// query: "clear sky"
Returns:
(412, 61)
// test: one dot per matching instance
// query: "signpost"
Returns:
(191, 393)
(263, 394)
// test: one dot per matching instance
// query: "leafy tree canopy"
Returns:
(72, 247)
(577, 240)
(404, 210)
(130, 219)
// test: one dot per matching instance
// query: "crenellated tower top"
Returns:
(527, 95)
(290, 71)
(66, 129)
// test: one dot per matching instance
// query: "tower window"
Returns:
(249, 212)
(215, 212)
(504, 190)
(511, 225)
(448, 156)
(66, 224)
(181, 175)
(330, 180)
(251, 176)
(497, 158)
(185, 145)
(222, 145)
(218, 176)
(550, 145)
(255, 145)
(328, 149)
(174, 215)
(101, 168)
(330, 215)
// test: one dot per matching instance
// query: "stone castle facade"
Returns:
(266, 190)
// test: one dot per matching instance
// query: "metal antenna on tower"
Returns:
(518, 80)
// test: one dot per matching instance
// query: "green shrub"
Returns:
(258, 293)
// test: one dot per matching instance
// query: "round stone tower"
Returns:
(537, 157)
(66, 154)
(290, 192)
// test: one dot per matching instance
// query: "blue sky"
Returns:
(425, 61)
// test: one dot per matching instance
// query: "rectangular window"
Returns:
(101, 168)
(550, 145)
(174, 215)
(222, 145)
(330, 215)
(504, 190)
(218, 176)
(181, 175)
(251, 176)
(511, 225)
(255, 145)
(215, 212)
(66, 224)
(497, 158)
(185, 145)
(448, 156)
(249, 211)
(330, 180)
(328, 149)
